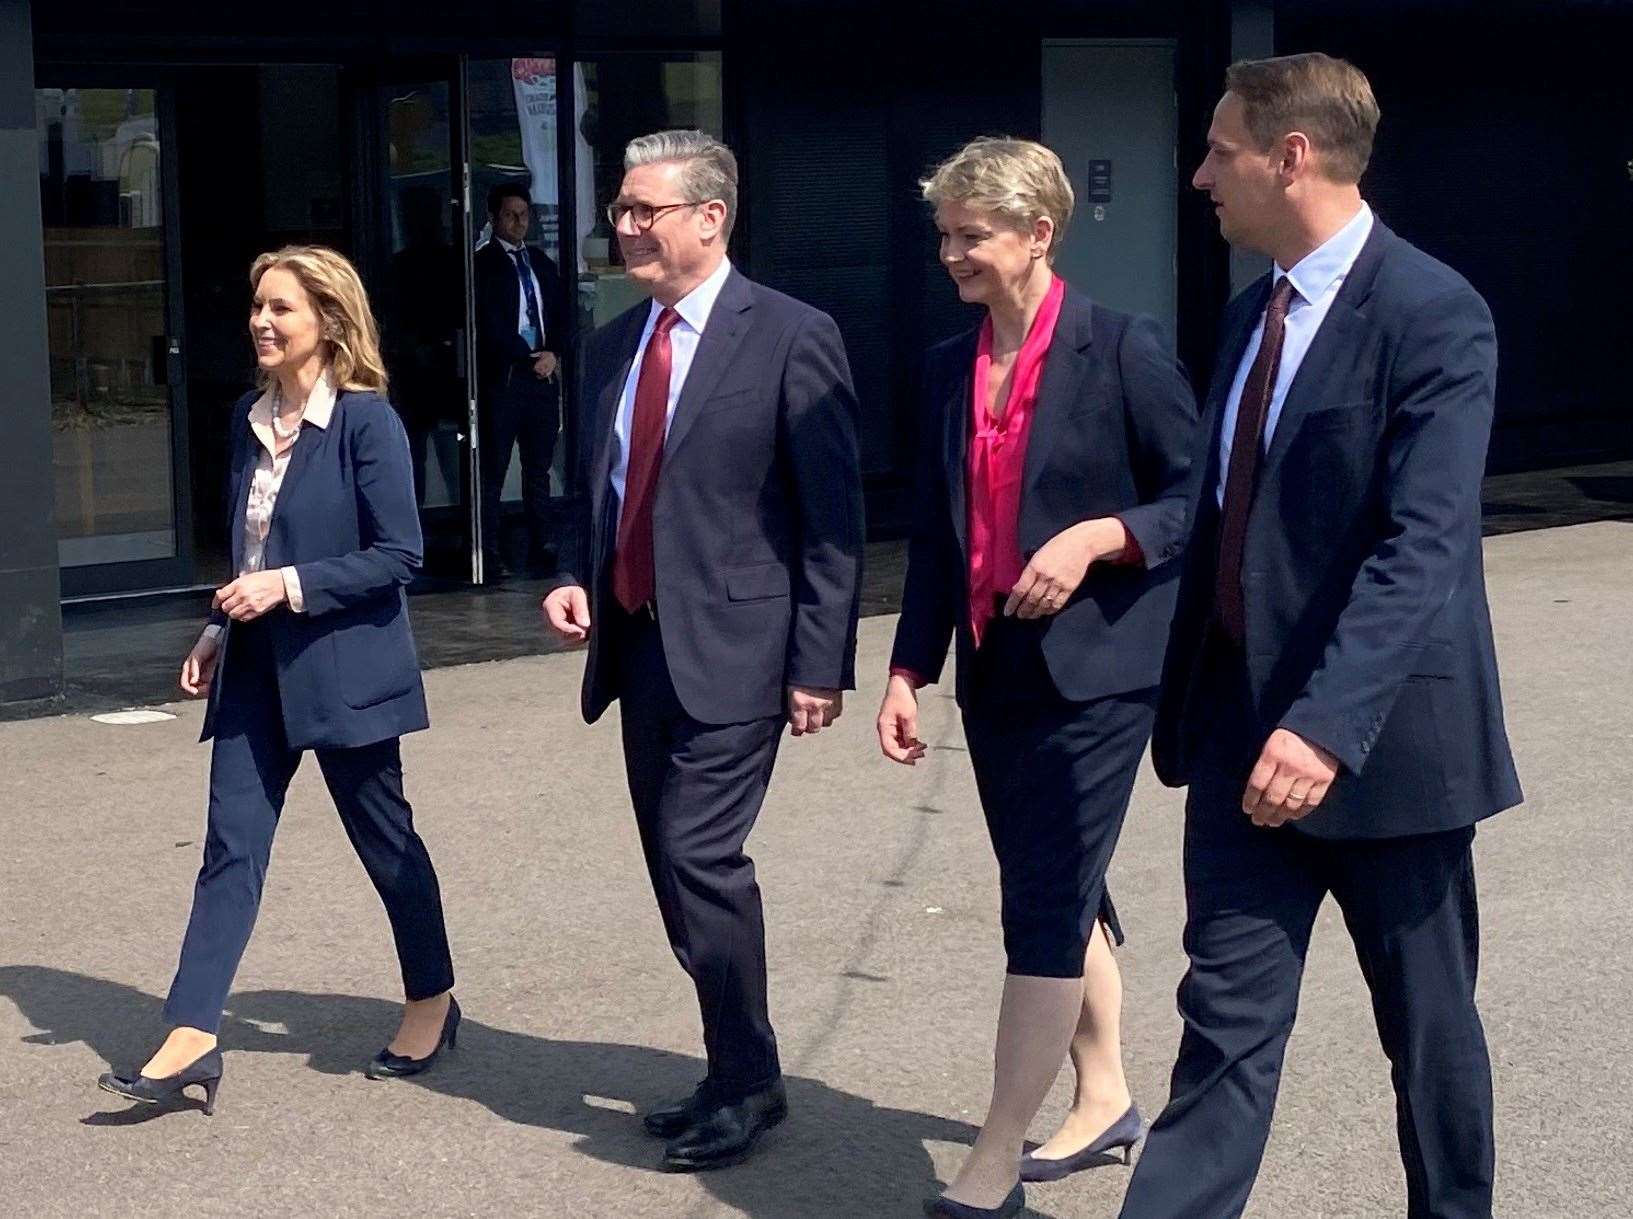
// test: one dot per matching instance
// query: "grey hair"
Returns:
(708, 168)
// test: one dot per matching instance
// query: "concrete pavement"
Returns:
(881, 903)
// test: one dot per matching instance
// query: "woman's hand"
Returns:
(198, 670)
(1059, 565)
(250, 596)
(899, 722)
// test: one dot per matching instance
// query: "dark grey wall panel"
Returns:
(30, 620)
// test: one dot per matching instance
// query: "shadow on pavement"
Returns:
(838, 1154)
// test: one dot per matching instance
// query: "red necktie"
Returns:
(633, 581)
(1247, 440)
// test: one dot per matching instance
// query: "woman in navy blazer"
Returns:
(309, 648)
(1056, 438)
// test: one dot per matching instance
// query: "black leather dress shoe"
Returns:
(666, 1121)
(727, 1133)
(946, 1208)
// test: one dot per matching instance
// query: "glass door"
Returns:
(113, 305)
(514, 120)
(416, 227)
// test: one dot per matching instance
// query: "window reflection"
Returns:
(424, 306)
(102, 202)
(520, 304)
(625, 96)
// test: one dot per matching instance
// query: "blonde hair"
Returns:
(1020, 181)
(346, 321)
(1329, 100)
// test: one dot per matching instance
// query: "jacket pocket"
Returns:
(1329, 418)
(762, 582)
(374, 658)
(731, 400)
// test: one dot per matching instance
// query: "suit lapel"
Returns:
(300, 457)
(955, 420)
(1340, 330)
(606, 410)
(722, 335)
(1064, 368)
(245, 453)
(1231, 352)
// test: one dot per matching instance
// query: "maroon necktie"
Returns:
(1246, 445)
(633, 581)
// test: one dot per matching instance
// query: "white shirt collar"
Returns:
(1330, 261)
(507, 246)
(320, 404)
(696, 306)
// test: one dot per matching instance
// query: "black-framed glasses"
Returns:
(645, 215)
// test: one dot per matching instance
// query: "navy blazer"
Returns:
(499, 345)
(757, 526)
(1112, 434)
(346, 520)
(1367, 625)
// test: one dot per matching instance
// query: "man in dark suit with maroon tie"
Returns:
(717, 585)
(1330, 692)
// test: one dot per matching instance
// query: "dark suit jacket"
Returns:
(1112, 435)
(345, 519)
(757, 527)
(499, 348)
(1367, 625)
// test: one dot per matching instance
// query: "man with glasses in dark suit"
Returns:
(718, 584)
(519, 328)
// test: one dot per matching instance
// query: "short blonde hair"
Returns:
(1019, 181)
(1329, 100)
(342, 306)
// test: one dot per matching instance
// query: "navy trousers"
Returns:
(251, 765)
(516, 408)
(1252, 895)
(697, 790)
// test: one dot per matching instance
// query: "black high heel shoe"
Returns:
(205, 1071)
(387, 1065)
(1118, 1138)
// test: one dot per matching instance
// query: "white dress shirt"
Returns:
(267, 479)
(694, 309)
(1316, 281)
(522, 324)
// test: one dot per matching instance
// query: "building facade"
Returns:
(149, 150)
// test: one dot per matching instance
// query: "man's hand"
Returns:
(899, 722)
(811, 709)
(1290, 781)
(544, 365)
(1059, 565)
(567, 610)
(198, 670)
(248, 597)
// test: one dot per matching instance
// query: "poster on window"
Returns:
(534, 84)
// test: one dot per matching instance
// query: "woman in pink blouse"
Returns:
(1054, 441)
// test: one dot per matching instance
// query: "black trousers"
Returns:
(1055, 778)
(697, 790)
(1252, 895)
(516, 407)
(251, 765)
